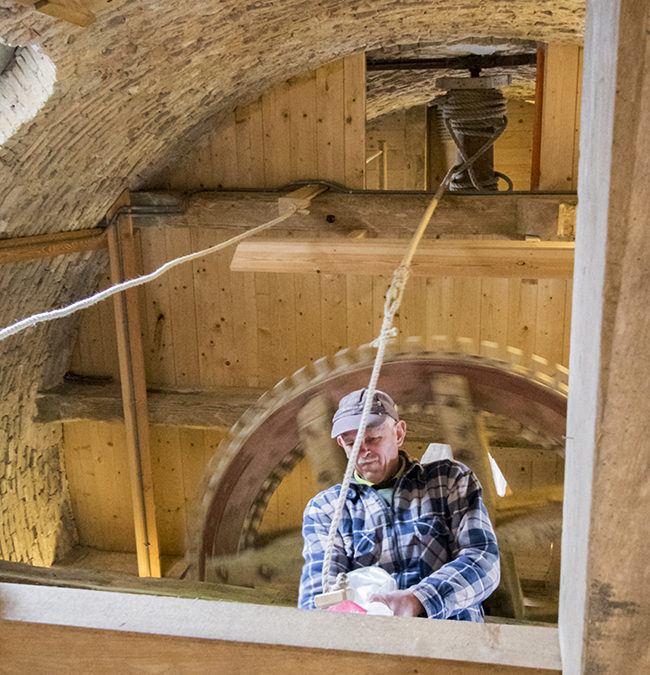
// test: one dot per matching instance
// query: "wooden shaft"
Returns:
(50, 245)
(468, 258)
(134, 395)
(464, 432)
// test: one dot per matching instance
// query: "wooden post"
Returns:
(463, 431)
(327, 460)
(557, 139)
(134, 394)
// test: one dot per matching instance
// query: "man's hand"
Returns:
(402, 603)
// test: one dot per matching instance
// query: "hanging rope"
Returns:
(137, 281)
(393, 301)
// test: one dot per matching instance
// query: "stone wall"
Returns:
(36, 523)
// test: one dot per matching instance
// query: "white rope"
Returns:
(393, 301)
(137, 281)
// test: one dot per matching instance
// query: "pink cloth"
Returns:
(347, 606)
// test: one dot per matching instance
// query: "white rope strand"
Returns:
(137, 281)
(393, 301)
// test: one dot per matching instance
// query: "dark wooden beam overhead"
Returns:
(380, 213)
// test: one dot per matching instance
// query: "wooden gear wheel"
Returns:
(265, 444)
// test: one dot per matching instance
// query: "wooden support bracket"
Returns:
(300, 198)
(71, 11)
(134, 392)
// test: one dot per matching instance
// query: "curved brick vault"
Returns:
(132, 91)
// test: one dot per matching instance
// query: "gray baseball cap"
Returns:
(348, 415)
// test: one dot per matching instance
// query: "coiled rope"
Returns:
(137, 281)
(478, 113)
(391, 305)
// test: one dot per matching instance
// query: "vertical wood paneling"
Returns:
(514, 148)
(97, 467)
(159, 357)
(354, 112)
(249, 135)
(213, 339)
(359, 310)
(333, 312)
(330, 127)
(549, 324)
(183, 313)
(494, 310)
(558, 149)
(277, 133)
(522, 314)
(309, 343)
(224, 155)
(303, 119)
(166, 453)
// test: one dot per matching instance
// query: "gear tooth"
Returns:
(440, 343)
(466, 345)
(491, 350)
(321, 367)
(516, 358)
(343, 359)
(542, 368)
(414, 343)
(302, 377)
(367, 352)
(561, 378)
(430, 409)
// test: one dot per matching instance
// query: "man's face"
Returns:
(378, 455)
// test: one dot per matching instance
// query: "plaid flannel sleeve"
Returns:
(474, 572)
(315, 526)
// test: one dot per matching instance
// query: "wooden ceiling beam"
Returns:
(222, 407)
(465, 258)
(380, 214)
(102, 403)
(72, 11)
(51, 245)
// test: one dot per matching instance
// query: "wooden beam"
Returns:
(332, 214)
(134, 393)
(327, 459)
(463, 431)
(467, 258)
(95, 580)
(71, 11)
(51, 245)
(222, 407)
(560, 121)
(102, 403)
(94, 630)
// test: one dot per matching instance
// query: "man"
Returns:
(424, 524)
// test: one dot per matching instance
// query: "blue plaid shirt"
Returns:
(435, 539)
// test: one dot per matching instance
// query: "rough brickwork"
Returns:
(25, 85)
(36, 521)
(390, 90)
(132, 92)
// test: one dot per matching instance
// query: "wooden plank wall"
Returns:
(404, 134)
(310, 126)
(204, 326)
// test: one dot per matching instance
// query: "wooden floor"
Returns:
(84, 557)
